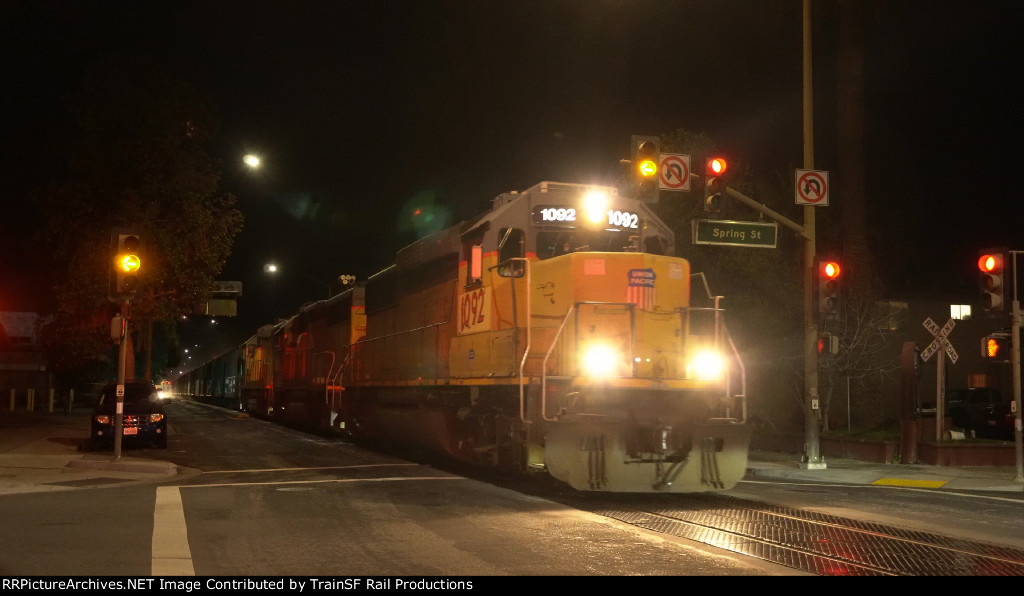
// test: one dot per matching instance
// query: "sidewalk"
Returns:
(787, 466)
(39, 452)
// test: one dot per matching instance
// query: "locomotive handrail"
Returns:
(529, 337)
(544, 368)
(732, 344)
(529, 328)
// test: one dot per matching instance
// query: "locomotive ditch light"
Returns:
(595, 206)
(600, 361)
(706, 365)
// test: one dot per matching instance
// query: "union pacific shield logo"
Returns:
(640, 290)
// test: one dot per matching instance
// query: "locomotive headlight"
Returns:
(706, 365)
(595, 206)
(599, 360)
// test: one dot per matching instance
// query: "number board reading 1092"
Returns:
(571, 217)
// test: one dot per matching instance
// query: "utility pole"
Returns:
(812, 459)
(1018, 439)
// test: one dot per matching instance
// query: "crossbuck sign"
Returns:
(940, 342)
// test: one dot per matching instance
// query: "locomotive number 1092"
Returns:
(567, 215)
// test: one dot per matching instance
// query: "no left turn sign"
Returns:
(812, 187)
(674, 172)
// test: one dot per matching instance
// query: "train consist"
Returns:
(554, 333)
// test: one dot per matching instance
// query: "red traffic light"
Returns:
(990, 263)
(830, 270)
(715, 166)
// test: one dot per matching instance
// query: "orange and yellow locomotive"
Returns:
(553, 333)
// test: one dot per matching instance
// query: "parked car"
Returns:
(144, 421)
(982, 410)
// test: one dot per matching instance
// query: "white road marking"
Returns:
(171, 555)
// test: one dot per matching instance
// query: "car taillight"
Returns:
(102, 419)
(156, 417)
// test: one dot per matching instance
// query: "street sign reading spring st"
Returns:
(735, 233)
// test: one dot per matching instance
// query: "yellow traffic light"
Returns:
(646, 152)
(129, 263)
(126, 264)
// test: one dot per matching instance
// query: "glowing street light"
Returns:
(252, 160)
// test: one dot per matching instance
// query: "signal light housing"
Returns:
(996, 347)
(646, 153)
(714, 168)
(126, 261)
(991, 279)
(828, 286)
(828, 344)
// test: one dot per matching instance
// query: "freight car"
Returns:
(556, 333)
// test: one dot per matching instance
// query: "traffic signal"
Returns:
(714, 168)
(996, 346)
(126, 260)
(828, 286)
(644, 162)
(991, 266)
(828, 344)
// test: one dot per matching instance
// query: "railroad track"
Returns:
(806, 540)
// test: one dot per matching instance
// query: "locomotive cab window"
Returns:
(474, 265)
(555, 243)
(511, 245)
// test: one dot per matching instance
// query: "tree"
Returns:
(137, 159)
(865, 326)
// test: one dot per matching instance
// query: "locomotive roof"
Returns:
(513, 209)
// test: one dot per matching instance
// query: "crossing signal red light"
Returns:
(714, 168)
(646, 153)
(990, 264)
(828, 286)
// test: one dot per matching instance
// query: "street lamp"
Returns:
(273, 269)
(252, 161)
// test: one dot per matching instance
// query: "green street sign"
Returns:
(735, 233)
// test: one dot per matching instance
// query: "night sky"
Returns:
(360, 110)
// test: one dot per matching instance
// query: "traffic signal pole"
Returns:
(122, 357)
(1018, 438)
(812, 459)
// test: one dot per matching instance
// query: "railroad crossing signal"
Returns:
(940, 342)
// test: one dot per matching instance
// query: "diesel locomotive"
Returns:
(555, 333)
